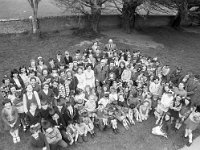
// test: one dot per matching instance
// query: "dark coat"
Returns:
(68, 60)
(32, 120)
(73, 84)
(101, 73)
(20, 81)
(49, 98)
(60, 122)
(70, 118)
(175, 78)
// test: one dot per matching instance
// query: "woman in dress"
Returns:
(174, 109)
(121, 68)
(23, 74)
(32, 66)
(95, 46)
(29, 97)
(40, 65)
(89, 76)
(81, 79)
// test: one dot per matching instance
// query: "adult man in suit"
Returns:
(101, 71)
(67, 59)
(110, 46)
(70, 115)
(59, 59)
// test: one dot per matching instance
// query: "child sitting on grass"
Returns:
(72, 133)
(144, 109)
(38, 139)
(82, 129)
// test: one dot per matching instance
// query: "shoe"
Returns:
(188, 144)
(114, 130)
(14, 140)
(24, 128)
(117, 130)
(93, 135)
(18, 139)
(80, 140)
(72, 141)
(85, 138)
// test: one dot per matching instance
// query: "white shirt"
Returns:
(154, 88)
(166, 100)
(104, 101)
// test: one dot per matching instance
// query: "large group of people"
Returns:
(64, 100)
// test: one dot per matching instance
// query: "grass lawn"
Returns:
(172, 47)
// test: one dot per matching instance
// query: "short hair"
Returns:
(89, 65)
(6, 101)
(5, 78)
(14, 71)
(59, 53)
(155, 78)
(78, 51)
(51, 59)
(32, 78)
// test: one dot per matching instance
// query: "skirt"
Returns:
(191, 124)
(8, 128)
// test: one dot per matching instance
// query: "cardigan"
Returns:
(33, 119)
(49, 97)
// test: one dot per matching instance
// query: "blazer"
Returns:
(60, 122)
(101, 73)
(58, 62)
(68, 118)
(32, 120)
(110, 47)
(20, 81)
(67, 61)
(49, 97)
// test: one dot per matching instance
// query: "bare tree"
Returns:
(91, 9)
(182, 8)
(128, 8)
(34, 5)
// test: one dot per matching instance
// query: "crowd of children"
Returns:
(63, 100)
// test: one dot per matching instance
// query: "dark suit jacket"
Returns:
(110, 47)
(20, 81)
(67, 61)
(58, 62)
(61, 122)
(101, 73)
(70, 118)
(32, 120)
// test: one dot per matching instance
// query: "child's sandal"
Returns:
(14, 140)
(18, 139)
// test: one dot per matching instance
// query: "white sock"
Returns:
(190, 138)
(186, 132)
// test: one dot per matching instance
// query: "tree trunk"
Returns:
(95, 19)
(35, 23)
(182, 15)
(128, 15)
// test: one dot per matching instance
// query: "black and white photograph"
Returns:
(100, 74)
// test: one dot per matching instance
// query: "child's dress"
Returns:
(89, 78)
(81, 81)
